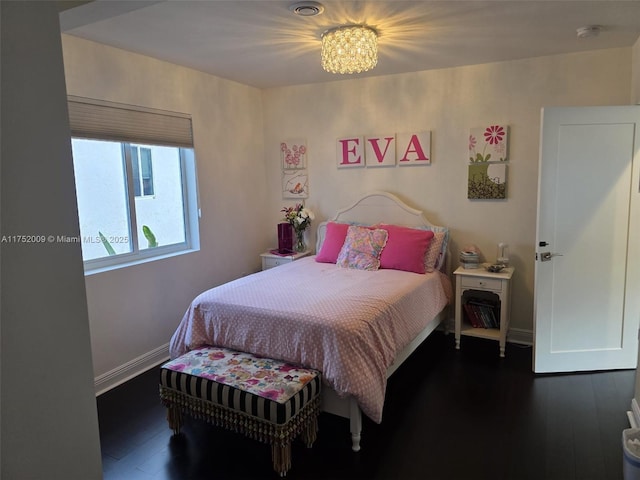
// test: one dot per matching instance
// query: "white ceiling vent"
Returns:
(589, 31)
(307, 9)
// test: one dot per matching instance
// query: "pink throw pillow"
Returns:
(333, 241)
(433, 258)
(362, 248)
(405, 249)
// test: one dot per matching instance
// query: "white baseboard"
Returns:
(519, 335)
(515, 335)
(135, 367)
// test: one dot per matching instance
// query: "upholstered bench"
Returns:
(267, 400)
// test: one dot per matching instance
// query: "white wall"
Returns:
(635, 73)
(134, 311)
(448, 102)
(49, 418)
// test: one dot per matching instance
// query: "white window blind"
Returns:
(90, 118)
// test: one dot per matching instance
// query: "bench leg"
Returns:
(174, 418)
(281, 456)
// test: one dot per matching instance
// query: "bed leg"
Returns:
(355, 420)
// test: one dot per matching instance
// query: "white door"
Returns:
(587, 275)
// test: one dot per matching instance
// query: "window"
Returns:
(136, 193)
(142, 171)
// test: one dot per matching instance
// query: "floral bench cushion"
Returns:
(268, 389)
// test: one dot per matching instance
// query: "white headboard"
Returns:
(376, 207)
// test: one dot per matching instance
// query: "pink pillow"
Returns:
(405, 248)
(333, 241)
(362, 248)
(432, 259)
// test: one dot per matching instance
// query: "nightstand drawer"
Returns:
(270, 262)
(481, 283)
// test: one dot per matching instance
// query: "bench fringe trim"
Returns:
(304, 423)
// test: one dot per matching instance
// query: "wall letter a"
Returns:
(418, 148)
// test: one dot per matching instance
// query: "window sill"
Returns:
(137, 261)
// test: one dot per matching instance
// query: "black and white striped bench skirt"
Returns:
(268, 400)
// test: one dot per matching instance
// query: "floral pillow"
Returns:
(362, 248)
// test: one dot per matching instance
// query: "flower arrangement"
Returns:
(299, 217)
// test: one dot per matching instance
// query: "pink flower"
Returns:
(216, 355)
(494, 134)
(472, 142)
(271, 394)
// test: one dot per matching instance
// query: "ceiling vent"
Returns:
(307, 9)
(589, 31)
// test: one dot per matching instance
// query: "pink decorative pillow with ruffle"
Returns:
(362, 248)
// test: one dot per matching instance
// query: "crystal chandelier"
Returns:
(349, 49)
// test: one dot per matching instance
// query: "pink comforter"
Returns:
(349, 324)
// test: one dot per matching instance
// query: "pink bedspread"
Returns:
(349, 324)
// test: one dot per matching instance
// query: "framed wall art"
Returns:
(294, 154)
(295, 184)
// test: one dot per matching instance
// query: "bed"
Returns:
(354, 325)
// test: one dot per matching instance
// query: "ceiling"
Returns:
(263, 44)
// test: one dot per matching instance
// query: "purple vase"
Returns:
(285, 238)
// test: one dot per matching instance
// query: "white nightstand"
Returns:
(481, 285)
(270, 260)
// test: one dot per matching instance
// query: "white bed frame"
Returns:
(375, 207)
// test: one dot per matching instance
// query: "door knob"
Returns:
(546, 256)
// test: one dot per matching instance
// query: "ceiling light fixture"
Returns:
(307, 9)
(349, 49)
(589, 31)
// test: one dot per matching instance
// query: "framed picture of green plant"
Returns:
(487, 171)
(487, 181)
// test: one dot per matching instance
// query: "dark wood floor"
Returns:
(449, 415)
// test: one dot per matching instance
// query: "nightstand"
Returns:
(486, 297)
(270, 260)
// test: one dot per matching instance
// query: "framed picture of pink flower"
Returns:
(295, 184)
(293, 154)
(488, 144)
